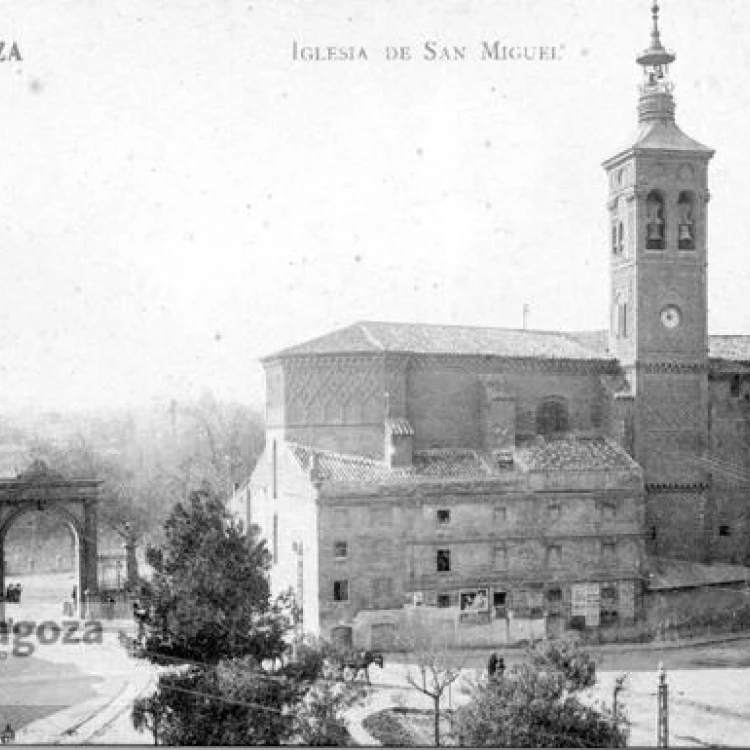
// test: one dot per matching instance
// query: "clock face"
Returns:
(670, 317)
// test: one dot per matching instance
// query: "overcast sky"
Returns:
(180, 196)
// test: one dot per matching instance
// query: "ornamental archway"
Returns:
(74, 501)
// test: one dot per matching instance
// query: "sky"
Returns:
(179, 196)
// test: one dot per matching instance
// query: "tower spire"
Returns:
(656, 102)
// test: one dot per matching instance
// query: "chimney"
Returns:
(314, 467)
(399, 443)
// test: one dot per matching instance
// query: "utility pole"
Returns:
(662, 726)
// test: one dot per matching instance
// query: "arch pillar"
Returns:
(73, 500)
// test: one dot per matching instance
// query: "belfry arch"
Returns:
(73, 501)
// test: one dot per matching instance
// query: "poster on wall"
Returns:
(585, 602)
(475, 600)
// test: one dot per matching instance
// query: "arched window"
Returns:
(686, 222)
(655, 221)
(552, 417)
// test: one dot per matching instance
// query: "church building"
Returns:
(517, 484)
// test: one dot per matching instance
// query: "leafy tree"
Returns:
(566, 658)
(536, 705)
(210, 592)
(236, 702)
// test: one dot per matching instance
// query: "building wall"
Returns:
(729, 455)
(284, 508)
(393, 542)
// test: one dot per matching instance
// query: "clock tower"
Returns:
(658, 323)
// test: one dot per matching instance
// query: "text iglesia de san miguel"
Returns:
(515, 484)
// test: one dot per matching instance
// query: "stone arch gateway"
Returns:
(73, 501)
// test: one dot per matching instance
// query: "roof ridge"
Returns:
(333, 454)
(369, 335)
(404, 323)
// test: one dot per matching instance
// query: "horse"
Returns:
(361, 662)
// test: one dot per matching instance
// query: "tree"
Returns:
(150, 713)
(536, 705)
(210, 592)
(236, 702)
(436, 666)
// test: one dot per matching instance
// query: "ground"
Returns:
(76, 693)
(83, 693)
(708, 701)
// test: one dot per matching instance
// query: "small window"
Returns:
(274, 470)
(554, 596)
(444, 600)
(443, 517)
(734, 388)
(382, 588)
(554, 511)
(341, 518)
(500, 598)
(622, 320)
(341, 550)
(500, 514)
(501, 558)
(443, 560)
(554, 555)
(552, 417)
(380, 516)
(609, 552)
(653, 533)
(724, 530)
(609, 511)
(341, 591)
(608, 594)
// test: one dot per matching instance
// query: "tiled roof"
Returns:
(399, 427)
(732, 348)
(678, 574)
(418, 338)
(661, 134)
(565, 454)
(374, 337)
(573, 454)
(435, 464)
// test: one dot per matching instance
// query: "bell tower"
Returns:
(658, 322)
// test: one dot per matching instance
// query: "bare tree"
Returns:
(436, 666)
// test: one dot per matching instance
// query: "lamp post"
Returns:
(662, 726)
(619, 687)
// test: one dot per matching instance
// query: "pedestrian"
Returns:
(18, 593)
(492, 665)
